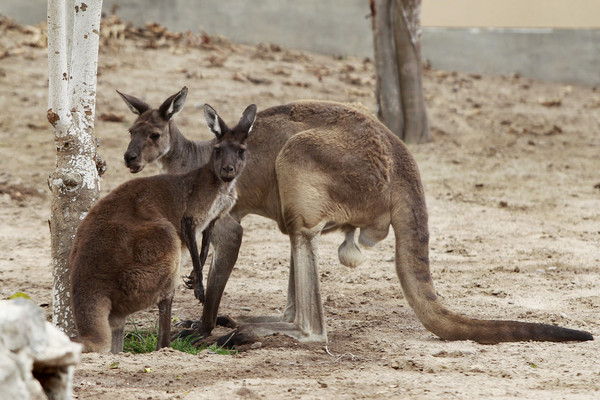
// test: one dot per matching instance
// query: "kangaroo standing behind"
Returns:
(127, 252)
(317, 167)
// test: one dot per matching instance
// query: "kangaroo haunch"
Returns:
(317, 167)
(127, 252)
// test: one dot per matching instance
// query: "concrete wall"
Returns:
(341, 27)
(563, 55)
(324, 26)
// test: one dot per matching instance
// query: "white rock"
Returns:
(28, 342)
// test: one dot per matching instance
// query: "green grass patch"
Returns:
(144, 341)
(140, 340)
(186, 346)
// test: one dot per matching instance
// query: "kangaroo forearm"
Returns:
(188, 231)
(206, 236)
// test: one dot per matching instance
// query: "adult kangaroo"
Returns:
(127, 252)
(316, 167)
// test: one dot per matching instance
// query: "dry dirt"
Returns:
(512, 184)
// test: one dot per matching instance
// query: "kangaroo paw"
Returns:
(188, 281)
(199, 293)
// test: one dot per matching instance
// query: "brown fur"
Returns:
(320, 166)
(127, 251)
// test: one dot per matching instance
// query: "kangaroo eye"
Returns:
(155, 136)
(241, 151)
(217, 151)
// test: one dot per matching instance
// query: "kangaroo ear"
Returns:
(248, 117)
(214, 122)
(173, 104)
(136, 105)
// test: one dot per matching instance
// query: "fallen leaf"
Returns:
(111, 117)
(551, 102)
(216, 61)
(556, 130)
(19, 295)
(259, 81)
(238, 77)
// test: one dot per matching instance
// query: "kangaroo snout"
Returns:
(132, 162)
(130, 157)
(227, 173)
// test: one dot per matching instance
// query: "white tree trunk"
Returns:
(73, 39)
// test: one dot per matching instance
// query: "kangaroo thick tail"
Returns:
(412, 267)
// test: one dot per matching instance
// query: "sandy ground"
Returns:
(512, 184)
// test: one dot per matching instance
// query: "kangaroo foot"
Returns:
(236, 338)
(252, 332)
(188, 323)
(226, 321)
(190, 335)
(222, 320)
(192, 329)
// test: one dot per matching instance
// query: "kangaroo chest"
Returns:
(223, 203)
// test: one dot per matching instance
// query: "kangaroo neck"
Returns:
(183, 154)
(201, 187)
(205, 179)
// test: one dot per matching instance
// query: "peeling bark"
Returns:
(72, 66)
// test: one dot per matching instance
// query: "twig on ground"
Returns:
(338, 358)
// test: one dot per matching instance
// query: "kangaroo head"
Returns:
(228, 157)
(151, 131)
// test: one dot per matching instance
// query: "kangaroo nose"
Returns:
(130, 157)
(228, 168)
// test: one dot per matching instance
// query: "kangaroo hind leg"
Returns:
(164, 323)
(303, 318)
(310, 318)
(92, 321)
(117, 326)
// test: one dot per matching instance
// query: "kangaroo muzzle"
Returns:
(228, 173)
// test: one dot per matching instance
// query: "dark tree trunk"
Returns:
(399, 88)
